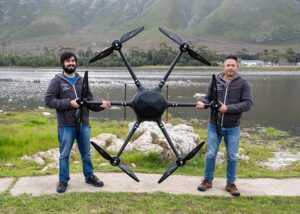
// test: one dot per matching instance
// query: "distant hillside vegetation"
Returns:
(266, 22)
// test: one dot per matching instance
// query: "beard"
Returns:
(69, 69)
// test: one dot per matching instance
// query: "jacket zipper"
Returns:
(72, 85)
(225, 97)
(75, 90)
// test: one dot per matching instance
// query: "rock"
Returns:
(50, 166)
(41, 108)
(39, 160)
(243, 157)
(26, 158)
(245, 135)
(53, 165)
(149, 138)
(110, 142)
(47, 114)
(280, 160)
(8, 165)
(182, 136)
(145, 144)
(1, 111)
(199, 95)
(44, 169)
(10, 100)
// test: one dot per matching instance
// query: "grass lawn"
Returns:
(146, 203)
(26, 133)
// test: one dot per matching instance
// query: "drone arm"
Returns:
(134, 77)
(113, 103)
(162, 127)
(174, 104)
(134, 128)
(163, 81)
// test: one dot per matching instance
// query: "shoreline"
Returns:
(165, 67)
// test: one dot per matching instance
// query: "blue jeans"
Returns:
(231, 139)
(66, 137)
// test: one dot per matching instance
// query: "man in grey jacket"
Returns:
(235, 97)
(62, 94)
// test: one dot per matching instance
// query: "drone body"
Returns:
(148, 104)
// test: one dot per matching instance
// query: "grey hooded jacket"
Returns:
(236, 95)
(59, 95)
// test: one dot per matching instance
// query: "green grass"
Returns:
(29, 132)
(102, 202)
(26, 133)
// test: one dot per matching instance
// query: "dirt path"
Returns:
(175, 184)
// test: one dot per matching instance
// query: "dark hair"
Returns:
(67, 55)
(231, 57)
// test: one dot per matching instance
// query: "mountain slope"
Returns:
(268, 22)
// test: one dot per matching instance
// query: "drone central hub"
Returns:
(117, 45)
(149, 104)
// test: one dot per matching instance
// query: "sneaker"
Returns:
(94, 181)
(61, 187)
(231, 187)
(205, 184)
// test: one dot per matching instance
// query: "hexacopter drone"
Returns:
(148, 104)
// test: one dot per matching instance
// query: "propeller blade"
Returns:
(196, 56)
(130, 34)
(214, 94)
(103, 153)
(218, 122)
(128, 172)
(214, 89)
(169, 171)
(85, 86)
(194, 151)
(103, 54)
(172, 36)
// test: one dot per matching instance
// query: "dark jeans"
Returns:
(231, 139)
(66, 137)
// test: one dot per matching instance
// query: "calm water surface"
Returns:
(276, 94)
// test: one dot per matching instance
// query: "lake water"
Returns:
(276, 94)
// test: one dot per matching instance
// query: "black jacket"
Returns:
(236, 95)
(58, 96)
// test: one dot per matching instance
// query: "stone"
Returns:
(26, 158)
(280, 160)
(46, 114)
(245, 135)
(199, 95)
(110, 142)
(39, 160)
(149, 138)
(8, 165)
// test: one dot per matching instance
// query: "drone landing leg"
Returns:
(162, 127)
(115, 161)
(134, 128)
